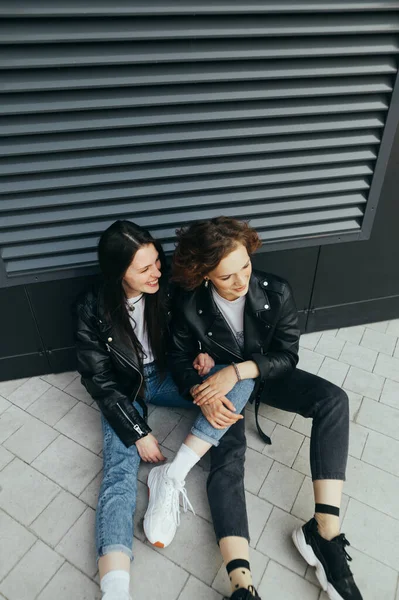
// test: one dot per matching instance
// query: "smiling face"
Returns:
(231, 276)
(143, 273)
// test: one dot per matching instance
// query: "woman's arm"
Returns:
(98, 376)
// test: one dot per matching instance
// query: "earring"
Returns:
(206, 282)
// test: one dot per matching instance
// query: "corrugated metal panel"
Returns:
(169, 112)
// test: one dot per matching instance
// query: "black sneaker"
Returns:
(330, 559)
(245, 594)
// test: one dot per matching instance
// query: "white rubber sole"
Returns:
(307, 553)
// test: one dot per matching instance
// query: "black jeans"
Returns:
(302, 393)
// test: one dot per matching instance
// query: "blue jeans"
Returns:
(117, 497)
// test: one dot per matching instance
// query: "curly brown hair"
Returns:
(203, 244)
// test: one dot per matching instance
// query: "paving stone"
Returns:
(58, 517)
(285, 446)
(364, 383)
(78, 544)
(378, 326)
(90, 493)
(302, 461)
(65, 584)
(30, 439)
(24, 492)
(283, 417)
(330, 345)
(370, 485)
(358, 356)
(281, 486)
(383, 452)
(379, 417)
(257, 467)
(8, 387)
(387, 366)
(281, 584)
(10, 421)
(276, 541)
(258, 513)
(373, 533)
(60, 380)
(375, 580)
(258, 562)
(177, 436)
(357, 439)
(310, 361)
(196, 489)
(396, 351)
(5, 457)
(52, 406)
(197, 590)
(154, 575)
(4, 404)
(78, 391)
(351, 334)
(32, 573)
(310, 340)
(333, 371)
(141, 507)
(254, 440)
(381, 342)
(162, 421)
(83, 425)
(69, 464)
(15, 542)
(28, 392)
(355, 401)
(393, 327)
(302, 425)
(390, 393)
(194, 533)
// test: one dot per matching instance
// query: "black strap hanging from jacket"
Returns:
(262, 434)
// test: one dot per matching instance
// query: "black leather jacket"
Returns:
(109, 369)
(271, 332)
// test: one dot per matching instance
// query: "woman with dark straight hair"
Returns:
(247, 320)
(121, 339)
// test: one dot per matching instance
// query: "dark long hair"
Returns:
(116, 250)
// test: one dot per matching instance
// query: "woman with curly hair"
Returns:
(247, 322)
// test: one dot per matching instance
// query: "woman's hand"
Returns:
(149, 450)
(203, 363)
(218, 415)
(215, 387)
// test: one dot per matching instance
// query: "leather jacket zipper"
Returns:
(136, 427)
(121, 356)
(227, 349)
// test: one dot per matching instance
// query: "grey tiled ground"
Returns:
(50, 471)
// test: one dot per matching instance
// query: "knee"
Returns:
(245, 387)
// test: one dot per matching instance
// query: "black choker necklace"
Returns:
(131, 307)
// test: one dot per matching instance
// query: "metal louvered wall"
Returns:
(166, 112)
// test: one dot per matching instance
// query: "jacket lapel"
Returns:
(257, 315)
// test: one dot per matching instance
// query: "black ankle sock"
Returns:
(236, 564)
(327, 509)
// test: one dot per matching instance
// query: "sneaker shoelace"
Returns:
(172, 501)
(342, 543)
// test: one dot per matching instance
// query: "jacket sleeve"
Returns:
(99, 378)
(183, 349)
(282, 354)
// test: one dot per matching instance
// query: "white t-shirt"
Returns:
(233, 312)
(137, 321)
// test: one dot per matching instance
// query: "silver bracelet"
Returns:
(237, 371)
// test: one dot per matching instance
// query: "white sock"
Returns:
(182, 463)
(115, 585)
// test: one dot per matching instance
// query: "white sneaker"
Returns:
(163, 513)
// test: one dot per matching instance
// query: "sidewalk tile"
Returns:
(90, 493)
(15, 542)
(78, 391)
(196, 590)
(383, 452)
(257, 467)
(390, 393)
(10, 421)
(70, 465)
(302, 425)
(65, 584)
(309, 361)
(60, 380)
(253, 438)
(5, 457)
(276, 541)
(83, 425)
(78, 544)
(358, 356)
(258, 513)
(387, 366)
(58, 517)
(163, 420)
(379, 417)
(310, 340)
(333, 371)
(351, 334)
(378, 326)
(285, 446)
(4, 404)
(355, 401)
(373, 533)
(283, 417)
(302, 461)
(382, 342)
(281, 584)
(375, 580)
(32, 573)
(28, 392)
(281, 486)
(393, 327)
(364, 383)
(357, 439)
(30, 440)
(24, 492)
(52, 406)
(330, 345)
(8, 387)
